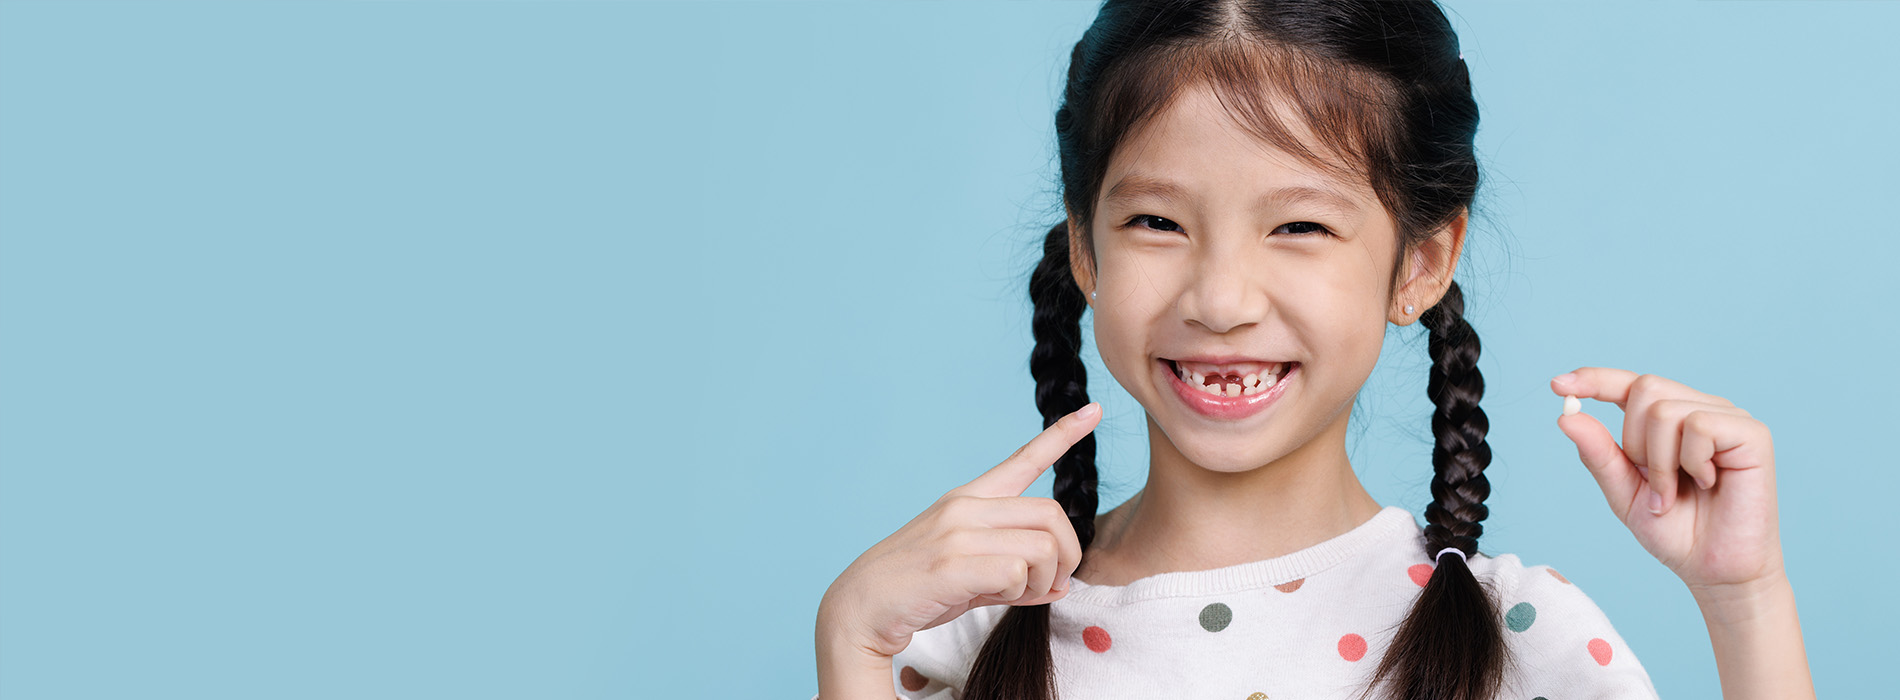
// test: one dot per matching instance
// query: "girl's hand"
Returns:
(1718, 527)
(983, 543)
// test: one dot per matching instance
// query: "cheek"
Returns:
(1109, 338)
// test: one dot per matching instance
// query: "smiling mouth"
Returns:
(1246, 380)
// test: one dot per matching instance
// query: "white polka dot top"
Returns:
(1309, 624)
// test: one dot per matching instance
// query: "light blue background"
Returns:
(513, 349)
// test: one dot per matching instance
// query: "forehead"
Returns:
(1194, 148)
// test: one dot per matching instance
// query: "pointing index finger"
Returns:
(1014, 475)
(1600, 383)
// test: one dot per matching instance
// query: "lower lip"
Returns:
(1226, 407)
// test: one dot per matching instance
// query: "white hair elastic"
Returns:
(1454, 550)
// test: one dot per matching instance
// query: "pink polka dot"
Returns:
(1096, 638)
(1600, 650)
(1352, 647)
(1420, 573)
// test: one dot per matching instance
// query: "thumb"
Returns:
(1614, 472)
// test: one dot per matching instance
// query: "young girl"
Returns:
(1254, 190)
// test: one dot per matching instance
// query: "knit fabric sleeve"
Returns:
(1561, 643)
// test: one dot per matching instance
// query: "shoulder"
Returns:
(1561, 644)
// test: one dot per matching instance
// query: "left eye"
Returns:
(1149, 217)
(1316, 228)
(1322, 229)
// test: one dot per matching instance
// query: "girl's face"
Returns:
(1210, 243)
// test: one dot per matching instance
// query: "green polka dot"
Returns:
(1216, 616)
(1520, 617)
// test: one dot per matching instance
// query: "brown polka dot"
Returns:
(1259, 696)
(1559, 576)
(1287, 587)
(912, 679)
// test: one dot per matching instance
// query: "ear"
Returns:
(1428, 271)
(1081, 262)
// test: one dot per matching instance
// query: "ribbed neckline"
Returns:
(1389, 523)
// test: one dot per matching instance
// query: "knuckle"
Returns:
(1051, 545)
(1054, 510)
(959, 542)
(957, 506)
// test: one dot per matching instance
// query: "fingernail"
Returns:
(1090, 410)
(1063, 584)
(1564, 378)
(1655, 502)
(1701, 484)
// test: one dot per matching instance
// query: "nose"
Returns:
(1226, 290)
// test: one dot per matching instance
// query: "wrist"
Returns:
(1736, 603)
(849, 671)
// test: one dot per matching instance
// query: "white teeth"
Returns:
(1252, 383)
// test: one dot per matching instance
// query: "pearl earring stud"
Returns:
(1408, 308)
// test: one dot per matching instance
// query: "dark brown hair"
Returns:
(1382, 85)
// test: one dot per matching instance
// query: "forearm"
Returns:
(1757, 640)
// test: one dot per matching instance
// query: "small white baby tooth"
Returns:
(1572, 405)
(1232, 389)
(1250, 380)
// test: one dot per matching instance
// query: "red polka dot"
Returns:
(1560, 577)
(1096, 638)
(1352, 647)
(1290, 586)
(1420, 573)
(1600, 650)
(911, 679)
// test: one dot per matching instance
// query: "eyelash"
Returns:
(1322, 227)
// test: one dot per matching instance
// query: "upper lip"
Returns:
(1220, 359)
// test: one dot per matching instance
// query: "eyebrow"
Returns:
(1134, 187)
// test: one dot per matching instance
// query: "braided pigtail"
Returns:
(1450, 646)
(1015, 661)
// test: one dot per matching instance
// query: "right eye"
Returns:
(1140, 217)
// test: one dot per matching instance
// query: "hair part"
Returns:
(1367, 91)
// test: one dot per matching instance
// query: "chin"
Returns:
(1227, 453)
